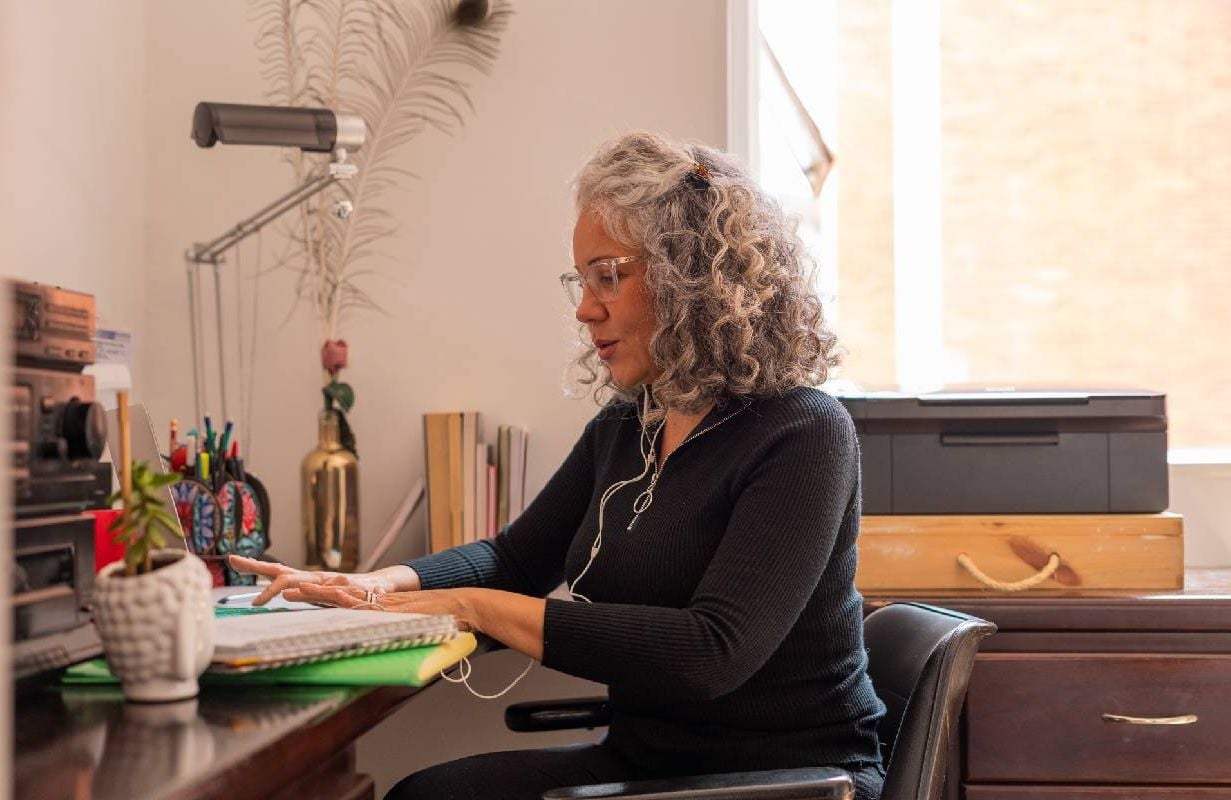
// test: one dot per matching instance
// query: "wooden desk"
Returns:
(1034, 725)
(230, 743)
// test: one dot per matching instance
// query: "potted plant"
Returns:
(153, 609)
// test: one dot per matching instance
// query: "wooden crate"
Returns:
(1096, 553)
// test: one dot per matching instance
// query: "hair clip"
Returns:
(698, 177)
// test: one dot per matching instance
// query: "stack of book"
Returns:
(331, 646)
(473, 489)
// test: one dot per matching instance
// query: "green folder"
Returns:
(413, 666)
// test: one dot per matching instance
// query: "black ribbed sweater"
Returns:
(725, 623)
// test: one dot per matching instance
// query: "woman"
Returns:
(705, 521)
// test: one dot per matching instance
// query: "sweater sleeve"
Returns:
(791, 503)
(528, 555)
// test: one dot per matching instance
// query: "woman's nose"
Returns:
(590, 309)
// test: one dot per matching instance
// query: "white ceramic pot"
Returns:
(157, 629)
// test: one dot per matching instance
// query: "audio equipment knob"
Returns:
(84, 428)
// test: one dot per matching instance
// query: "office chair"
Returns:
(919, 660)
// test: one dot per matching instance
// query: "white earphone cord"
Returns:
(649, 457)
(464, 670)
(464, 667)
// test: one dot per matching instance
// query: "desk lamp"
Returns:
(313, 130)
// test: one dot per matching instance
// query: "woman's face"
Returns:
(621, 327)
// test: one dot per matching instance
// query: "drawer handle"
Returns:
(1183, 719)
(1049, 569)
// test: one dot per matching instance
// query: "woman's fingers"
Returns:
(280, 584)
(251, 565)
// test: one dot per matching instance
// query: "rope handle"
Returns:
(1049, 569)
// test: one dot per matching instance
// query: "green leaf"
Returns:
(171, 529)
(156, 537)
(159, 514)
(161, 481)
(340, 393)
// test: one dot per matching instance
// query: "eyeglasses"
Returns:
(602, 277)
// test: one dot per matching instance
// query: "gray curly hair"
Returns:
(729, 279)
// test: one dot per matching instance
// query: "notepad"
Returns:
(264, 641)
(412, 666)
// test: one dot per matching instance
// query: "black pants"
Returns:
(526, 774)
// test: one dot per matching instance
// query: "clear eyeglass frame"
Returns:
(602, 277)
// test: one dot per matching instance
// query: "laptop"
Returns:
(144, 448)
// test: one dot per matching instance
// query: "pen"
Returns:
(233, 598)
(208, 445)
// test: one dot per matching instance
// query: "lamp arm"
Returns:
(211, 252)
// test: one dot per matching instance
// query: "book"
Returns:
(412, 666)
(517, 492)
(517, 468)
(502, 476)
(521, 486)
(455, 479)
(436, 457)
(263, 641)
(470, 425)
(479, 499)
(492, 482)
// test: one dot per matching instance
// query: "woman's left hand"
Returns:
(431, 601)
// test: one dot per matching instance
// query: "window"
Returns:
(1024, 192)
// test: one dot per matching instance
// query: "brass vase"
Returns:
(329, 501)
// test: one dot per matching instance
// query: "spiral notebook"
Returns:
(264, 641)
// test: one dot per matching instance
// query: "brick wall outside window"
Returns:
(1085, 197)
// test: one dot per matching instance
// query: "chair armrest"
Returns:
(810, 783)
(555, 715)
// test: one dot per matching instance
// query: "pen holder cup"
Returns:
(233, 519)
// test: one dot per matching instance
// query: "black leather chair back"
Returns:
(919, 659)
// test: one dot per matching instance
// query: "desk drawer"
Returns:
(1040, 718)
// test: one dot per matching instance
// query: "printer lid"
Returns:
(1005, 402)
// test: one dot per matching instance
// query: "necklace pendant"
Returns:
(643, 501)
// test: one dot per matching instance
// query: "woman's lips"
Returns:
(605, 348)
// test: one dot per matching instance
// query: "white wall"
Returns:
(73, 160)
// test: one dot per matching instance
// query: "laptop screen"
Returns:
(144, 448)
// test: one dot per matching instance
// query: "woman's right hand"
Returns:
(282, 577)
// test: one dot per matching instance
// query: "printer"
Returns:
(1011, 452)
